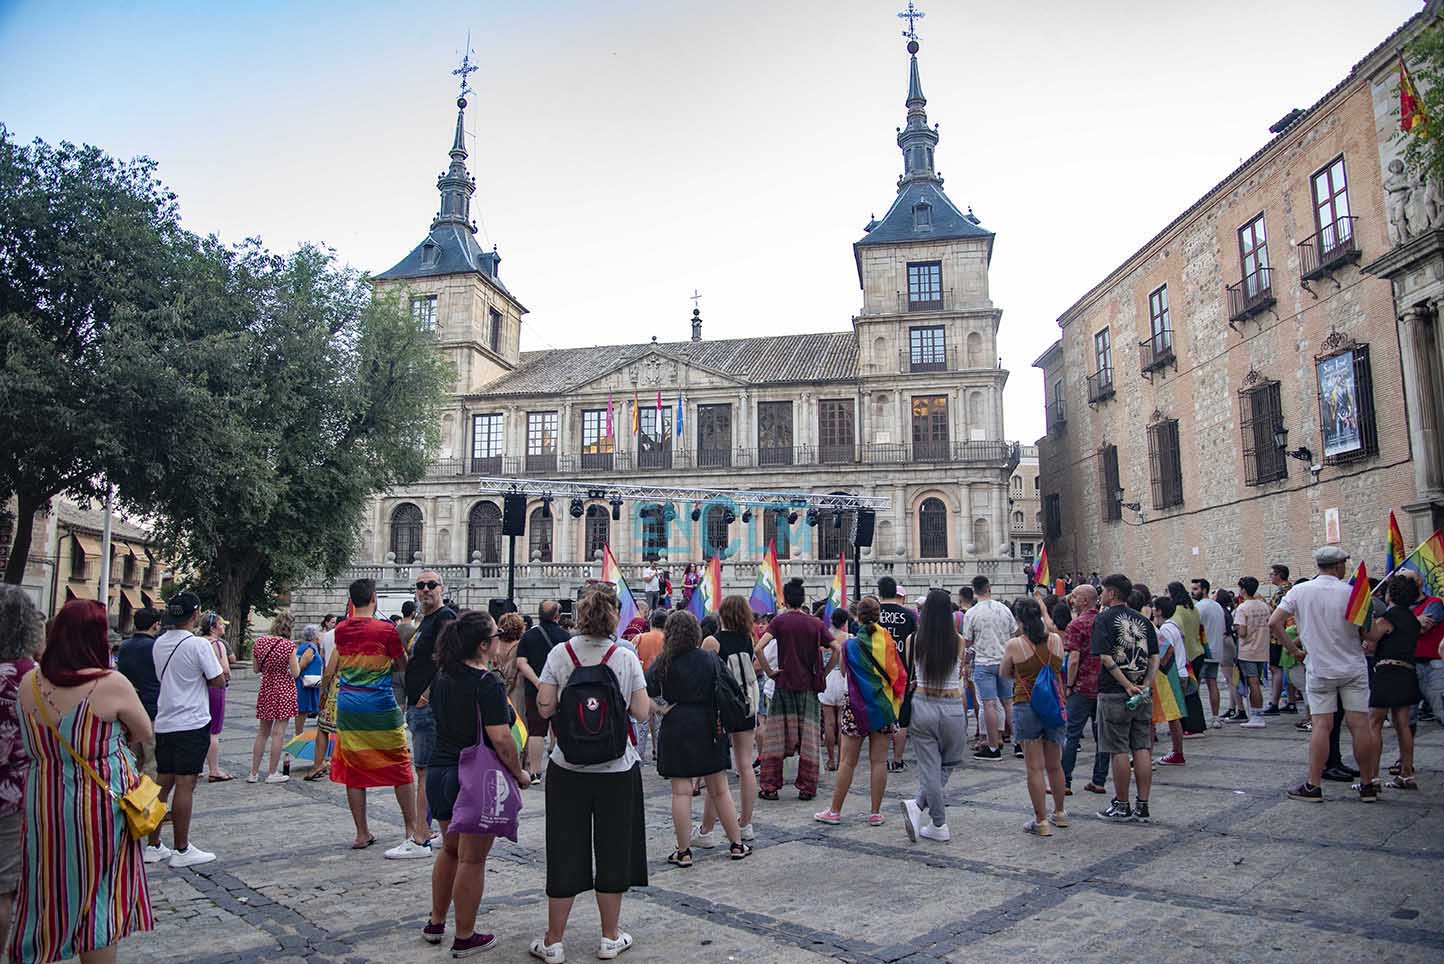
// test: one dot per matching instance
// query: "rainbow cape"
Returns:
(612, 573)
(1428, 562)
(1359, 606)
(1041, 575)
(708, 594)
(876, 678)
(837, 595)
(1396, 553)
(767, 590)
(1167, 694)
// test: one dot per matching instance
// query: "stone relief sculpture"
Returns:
(1412, 204)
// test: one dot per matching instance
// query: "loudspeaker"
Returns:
(499, 607)
(566, 606)
(865, 520)
(513, 516)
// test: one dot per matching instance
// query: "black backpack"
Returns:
(592, 722)
(731, 699)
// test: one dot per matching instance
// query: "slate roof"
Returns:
(458, 252)
(897, 227)
(825, 356)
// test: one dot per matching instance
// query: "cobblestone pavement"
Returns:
(1229, 870)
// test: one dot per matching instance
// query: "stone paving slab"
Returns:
(1229, 871)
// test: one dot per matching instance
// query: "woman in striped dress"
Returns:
(82, 880)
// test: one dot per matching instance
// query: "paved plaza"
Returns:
(1230, 870)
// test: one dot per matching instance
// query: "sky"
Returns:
(628, 154)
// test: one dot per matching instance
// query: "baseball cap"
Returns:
(1330, 556)
(181, 607)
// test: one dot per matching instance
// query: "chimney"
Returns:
(696, 324)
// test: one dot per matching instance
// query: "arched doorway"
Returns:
(406, 532)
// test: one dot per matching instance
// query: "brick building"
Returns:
(1234, 394)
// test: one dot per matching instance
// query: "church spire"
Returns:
(917, 140)
(456, 185)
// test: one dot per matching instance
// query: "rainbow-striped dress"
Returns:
(82, 881)
(370, 739)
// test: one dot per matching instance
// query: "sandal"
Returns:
(317, 773)
(1397, 767)
(739, 851)
(1402, 783)
(222, 778)
(370, 840)
(681, 858)
(767, 795)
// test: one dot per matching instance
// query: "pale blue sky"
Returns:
(628, 152)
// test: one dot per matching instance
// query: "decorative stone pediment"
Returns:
(657, 370)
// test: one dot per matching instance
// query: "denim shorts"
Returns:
(1251, 668)
(422, 724)
(1027, 726)
(989, 684)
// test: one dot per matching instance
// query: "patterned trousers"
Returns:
(793, 725)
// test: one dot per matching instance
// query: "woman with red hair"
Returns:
(82, 880)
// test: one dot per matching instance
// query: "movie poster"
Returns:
(1339, 405)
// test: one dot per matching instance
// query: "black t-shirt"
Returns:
(135, 663)
(534, 646)
(462, 702)
(1400, 643)
(901, 621)
(421, 665)
(1130, 639)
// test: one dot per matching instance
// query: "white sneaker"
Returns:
(189, 857)
(277, 778)
(940, 834)
(1254, 723)
(408, 849)
(609, 948)
(254, 778)
(1216, 723)
(747, 832)
(154, 855)
(912, 819)
(706, 840)
(550, 953)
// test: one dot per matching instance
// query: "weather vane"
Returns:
(912, 15)
(468, 68)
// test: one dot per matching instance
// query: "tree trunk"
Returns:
(231, 603)
(27, 506)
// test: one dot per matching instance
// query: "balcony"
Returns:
(1157, 351)
(1335, 245)
(836, 454)
(541, 463)
(486, 465)
(657, 458)
(1056, 417)
(1100, 386)
(597, 461)
(776, 455)
(714, 458)
(1255, 293)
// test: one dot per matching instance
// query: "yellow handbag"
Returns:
(141, 805)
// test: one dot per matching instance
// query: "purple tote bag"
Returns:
(490, 801)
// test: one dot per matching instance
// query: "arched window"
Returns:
(539, 536)
(599, 530)
(981, 545)
(775, 528)
(654, 532)
(714, 531)
(1017, 520)
(834, 535)
(933, 529)
(483, 533)
(975, 351)
(1017, 483)
(406, 529)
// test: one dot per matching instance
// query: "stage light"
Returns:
(616, 509)
(837, 520)
(696, 515)
(812, 517)
(577, 509)
(746, 516)
(546, 507)
(729, 517)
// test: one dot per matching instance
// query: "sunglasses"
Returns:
(428, 584)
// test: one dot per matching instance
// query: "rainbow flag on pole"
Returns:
(708, 594)
(1428, 562)
(1041, 575)
(837, 595)
(1359, 605)
(767, 590)
(612, 573)
(1396, 551)
(876, 678)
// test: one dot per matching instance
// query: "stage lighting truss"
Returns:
(813, 503)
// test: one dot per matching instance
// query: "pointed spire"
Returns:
(917, 140)
(456, 185)
(915, 84)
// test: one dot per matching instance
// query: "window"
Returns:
(423, 312)
(654, 532)
(835, 430)
(1017, 520)
(1331, 207)
(775, 528)
(925, 285)
(1112, 509)
(1260, 412)
(932, 529)
(128, 570)
(926, 350)
(483, 533)
(714, 531)
(495, 317)
(599, 531)
(77, 560)
(1103, 352)
(539, 535)
(922, 217)
(541, 441)
(774, 433)
(930, 428)
(1159, 326)
(1346, 402)
(714, 435)
(1016, 483)
(1165, 464)
(1026, 550)
(406, 529)
(654, 437)
(597, 441)
(1056, 414)
(1035, 485)
(1253, 254)
(1053, 517)
(486, 443)
(834, 534)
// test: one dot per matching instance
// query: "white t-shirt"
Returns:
(988, 626)
(183, 663)
(651, 580)
(1210, 616)
(1332, 642)
(1170, 635)
(624, 663)
(328, 644)
(769, 653)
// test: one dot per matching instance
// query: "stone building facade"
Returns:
(1025, 507)
(1235, 394)
(905, 405)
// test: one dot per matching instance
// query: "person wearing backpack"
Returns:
(589, 686)
(733, 645)
(1034, 661)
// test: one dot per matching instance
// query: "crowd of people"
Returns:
(577, 704)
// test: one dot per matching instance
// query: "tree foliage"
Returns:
(1424, 147)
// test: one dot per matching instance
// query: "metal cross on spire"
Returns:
(696, 297)
(468, 68)
(912, 15)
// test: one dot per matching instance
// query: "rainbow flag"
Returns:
(1168, 699)
(767, 590)
(1428, 562)
(708, 594)
(1359, 606)
(612, 573)
(876, 678)
(518, 730)
(1041, 575)
(1396, 551)
(837, 595)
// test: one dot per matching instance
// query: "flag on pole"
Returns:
(1359, 605)
(837, 595)
(767, 590)
(1413, 118)
(609, 415)
(659, 412)
(1396, 551)
(679, 416)
(612, 573)
(708, 594)
(1428, 562)
(1041, 575)
(636, 407)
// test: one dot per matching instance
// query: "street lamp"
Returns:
(1281, 441)
(1118, 494)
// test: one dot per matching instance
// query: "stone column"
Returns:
(1422, 363)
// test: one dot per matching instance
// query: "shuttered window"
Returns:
(1260, 412)
(1112, 510)
(1165, 464)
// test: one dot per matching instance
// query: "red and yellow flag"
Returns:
(1413, 117)
(1359, 606)
(1396, 551)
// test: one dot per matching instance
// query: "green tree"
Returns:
(1424, 147)
(87, 248)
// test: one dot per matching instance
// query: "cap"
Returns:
(1330, 556)
(181, 607)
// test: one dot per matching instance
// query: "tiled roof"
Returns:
(72, 516)
(897, 225)
(825, 356)
(455, 252)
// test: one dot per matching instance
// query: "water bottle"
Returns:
(1138, 699)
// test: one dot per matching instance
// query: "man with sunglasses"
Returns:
(420, 671)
